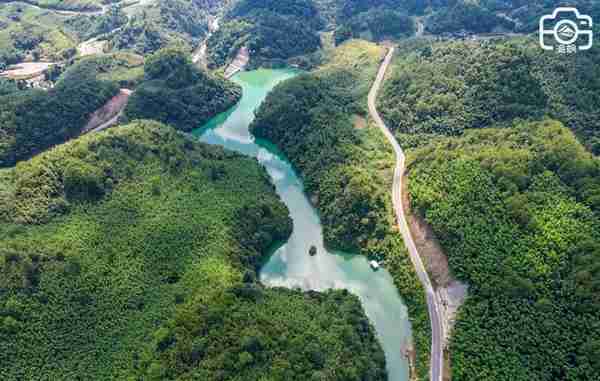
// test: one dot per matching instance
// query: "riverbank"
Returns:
(350, 181)
(291, 265)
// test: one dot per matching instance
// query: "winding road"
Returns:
(433, 302)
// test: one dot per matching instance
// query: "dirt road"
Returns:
(433, 303)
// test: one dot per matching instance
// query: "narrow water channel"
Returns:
(291, 266)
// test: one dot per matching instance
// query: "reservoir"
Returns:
(291, 265)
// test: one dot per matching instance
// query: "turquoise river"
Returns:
(290, 265)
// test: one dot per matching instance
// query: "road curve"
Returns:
(437, 330)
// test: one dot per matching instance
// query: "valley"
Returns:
(323, 190)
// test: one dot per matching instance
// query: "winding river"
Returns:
(290, 265)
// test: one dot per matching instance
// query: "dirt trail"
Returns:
(199, 55)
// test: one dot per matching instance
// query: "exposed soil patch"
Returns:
(108, 114)
(26, 70)
(429, 248)
(359, 122)
(451, 292)
(90, 47)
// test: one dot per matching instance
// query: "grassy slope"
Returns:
(125, 69)
(34, 23)
(351, 179)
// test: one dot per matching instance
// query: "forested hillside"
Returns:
(176, 92)
(448, 87)
(516, 211)
(181, 23)
(272, 30)
(497, 15)
(469, 16)
(69, 5)
(27, 32)
(132, 254)
(512, 197)
(34, 120)
(350, 180)
(376, 24)
(124, 69)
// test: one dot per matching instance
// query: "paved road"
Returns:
(437, 330)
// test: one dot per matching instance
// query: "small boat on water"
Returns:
(374, 265)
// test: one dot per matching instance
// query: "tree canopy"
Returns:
(176, 92)
(507, 207)
(273, 31)
(132, 254)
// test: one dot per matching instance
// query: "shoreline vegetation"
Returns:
(349, 182)
(273, 31)
(176, 92)
(142, 237)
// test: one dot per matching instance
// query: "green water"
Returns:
(291, 266)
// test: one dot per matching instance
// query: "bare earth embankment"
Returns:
(108, 115)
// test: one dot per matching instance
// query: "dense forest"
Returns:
(176, 92)
(448, 87)
(451, 16)
(375, 25)
(516, 211)
(33, 120)
(526, 13)
(132, 254)
(513, 198)
(347, 9)
(350, 181)
(249, 333)
(163, 23)
(467, 16)
(272, 30)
